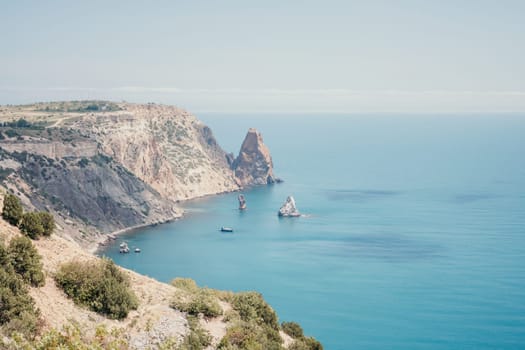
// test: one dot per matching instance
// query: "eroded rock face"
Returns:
(253, 165)
(289, 209)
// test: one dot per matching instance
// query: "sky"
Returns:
(268, 56)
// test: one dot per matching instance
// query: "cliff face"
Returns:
(102, 166)
(166, 147)
(253, 165)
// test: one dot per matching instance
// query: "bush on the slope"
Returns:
(47, 221)
(17, 309)
(197, 338)
(252, 307)
(293, 329)
(99, 285)
(194, 300)
(306, 343)
(250, 335)
(12, 211)
(25, 260)
(301, 342)
(254, 324)
(31, 225)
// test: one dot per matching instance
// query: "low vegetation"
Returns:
(12, 211)
(99, 285)
(78, 106)
(33, 224)
(19, 264)
(197, 338)
(301, 342)
(71, 337)
(25, 261)
(194, 300)
(254, 324)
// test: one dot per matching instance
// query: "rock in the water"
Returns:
(289, 208)
(254, 164)
(242, 202)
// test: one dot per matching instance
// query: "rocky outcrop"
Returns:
(242, 202)
(253, 165)
(289, 209)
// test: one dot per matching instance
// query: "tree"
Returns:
(31, 225)
(48, 222)
(25, 260)
(12, 211)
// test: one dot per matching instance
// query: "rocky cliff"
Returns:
(102, 166)
(253, 165)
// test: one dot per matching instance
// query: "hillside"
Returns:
(155, 321)
(101, 166)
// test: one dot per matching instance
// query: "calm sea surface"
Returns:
(414, 239)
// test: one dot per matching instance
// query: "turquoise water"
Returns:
(414, 239)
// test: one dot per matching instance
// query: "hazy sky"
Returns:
(235, 56)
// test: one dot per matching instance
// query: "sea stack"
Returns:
(242, 202)
(253, 165)
(288, 209)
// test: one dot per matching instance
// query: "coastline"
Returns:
(105, 239)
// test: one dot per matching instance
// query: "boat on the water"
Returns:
(226, 229)
(137, 250)
(123, 248)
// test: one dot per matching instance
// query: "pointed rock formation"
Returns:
(254, 164)
(288, 209)
(242, 202)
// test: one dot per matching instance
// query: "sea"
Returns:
(413, 234)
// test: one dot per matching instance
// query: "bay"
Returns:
(414, 234)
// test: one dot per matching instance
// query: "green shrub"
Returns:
(36, 224)
(17, 308)
(12, 211)
(252, 307)
(194, 300)
(293, 329)
(252, 336)
(306, 343)
(26, 261)
(31, 225)
(197, 339)
(186, 284)
(99, 285)
(5, 263)
(48, 222)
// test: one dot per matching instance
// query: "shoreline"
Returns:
(105, 239)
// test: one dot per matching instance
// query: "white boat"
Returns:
(137, 250)
(226, 229)
(123, 248)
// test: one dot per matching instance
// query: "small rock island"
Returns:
(288, 209)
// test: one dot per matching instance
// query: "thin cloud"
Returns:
(275, 91)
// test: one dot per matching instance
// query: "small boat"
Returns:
(137, 250)
(123, 248)
(226, 229)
